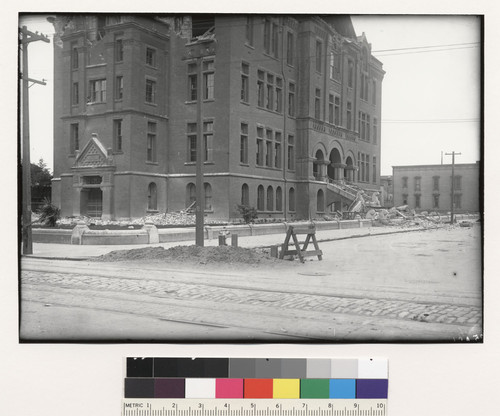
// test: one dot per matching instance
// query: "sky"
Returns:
(430, 94)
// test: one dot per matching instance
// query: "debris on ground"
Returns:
(193, 255)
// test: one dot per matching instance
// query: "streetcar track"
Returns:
(283, 291)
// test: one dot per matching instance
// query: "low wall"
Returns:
(81, 234)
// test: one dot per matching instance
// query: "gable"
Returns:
(93, 154)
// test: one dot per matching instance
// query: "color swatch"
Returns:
(256, 378)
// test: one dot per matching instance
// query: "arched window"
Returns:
(245, 198)
(291, 199)
(320, 201)
(190, 194)
(279, 199)
(152, 197)
(270, 198)
(260, 198)
(208, 196)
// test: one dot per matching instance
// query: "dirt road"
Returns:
(406, 287)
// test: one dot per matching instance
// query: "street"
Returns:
(416, 286)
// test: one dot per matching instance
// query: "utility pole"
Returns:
(25, 37)
(452, 154)
(198, 50)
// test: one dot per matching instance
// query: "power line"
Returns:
(426, 47)
(435, 121)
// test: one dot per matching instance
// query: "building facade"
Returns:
(290, 111)
(429, 187)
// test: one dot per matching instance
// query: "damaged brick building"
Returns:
(291, 114)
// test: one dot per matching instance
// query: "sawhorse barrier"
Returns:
(300, 229)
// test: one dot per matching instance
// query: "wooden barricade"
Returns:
(301, 229)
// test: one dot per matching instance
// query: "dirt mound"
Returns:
(192, 255)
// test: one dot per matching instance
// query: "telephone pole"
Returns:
(26, 37)
(198, 50)
(452, 154)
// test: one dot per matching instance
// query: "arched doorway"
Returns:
(349, 169)
(318, 164)
(334, 168)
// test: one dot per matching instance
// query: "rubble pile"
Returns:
(192, 255)
(179, 218)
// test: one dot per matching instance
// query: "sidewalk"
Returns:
(81, 252)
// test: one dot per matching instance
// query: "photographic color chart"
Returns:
(256, 378)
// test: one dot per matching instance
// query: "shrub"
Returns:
(249, 214)
(49, 213)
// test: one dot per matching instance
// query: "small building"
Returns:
(429, 187)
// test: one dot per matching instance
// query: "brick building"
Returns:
(291, 114)
(428, 187)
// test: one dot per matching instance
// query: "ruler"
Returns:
(254, 407)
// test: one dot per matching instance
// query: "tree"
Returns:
(40, 174)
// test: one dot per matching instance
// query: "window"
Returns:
(269, 91)
(245, 70)
(75, 94)
(191, 136)
(260, 147)
(374, 92)
(279, 199)
(405, 199)
(350, 73)
(260, 88)
(417, 201)
(260, 198)
(364, 87)
(290, 48)
(245, 197)
(208, 196)
(97, 90)
(457, 185)
(405, 181)
(249, 31)
(270, 37)
(244, 143)
(374, 172)
(375, 131)
(291, 99)
(331, 108)
(270, 198)
(208, 135)
(349, 116)
(435, 183)
(151, 57)
(320, 201)
(150, 91)
(457, 201)
(74, 57)
(337, 110)
(74, 138)
(418, 181)
(319, 55)
(435, 201)
(269, 148)
(277, 150)
(359, 166)
(332, 65)
(117, 135)
(208, 80)
(279, 95)
(317, 104)
(291, 153)
(152, 197)
(190, 194)
(119, 50)
(119, 88)
(368, 126)
(291, 199)
(151, 142)
(192, 82)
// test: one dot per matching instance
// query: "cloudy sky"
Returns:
(431, 90)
